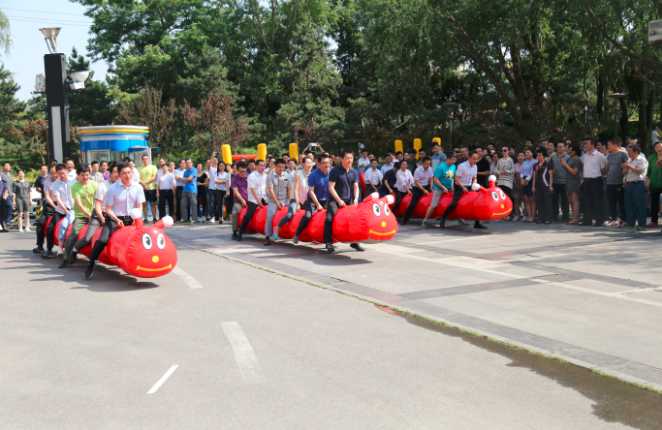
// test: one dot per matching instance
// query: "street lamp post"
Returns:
(616, 97)
(450, 108)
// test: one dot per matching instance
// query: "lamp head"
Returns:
(50, 34)
(79, 79)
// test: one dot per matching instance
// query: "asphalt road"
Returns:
(254, 349)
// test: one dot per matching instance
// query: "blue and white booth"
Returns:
(114, 142)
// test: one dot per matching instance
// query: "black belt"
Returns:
(634, 182)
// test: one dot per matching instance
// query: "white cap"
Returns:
(136, 213)
(492, 178)
(475, 187)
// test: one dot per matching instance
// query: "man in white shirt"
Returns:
(595, 166)
(136, 173)
(373, 178)
(59, 212)
(179, 175)
(388, 164)
(364, 161)
(465, 176)
(71, 169)
(95, 175)
(121, 197)
(212, 168)
(257, 192)
(423, 184)
(165, 191)
(635, 187)
(65, 201)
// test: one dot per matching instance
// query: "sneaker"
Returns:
(212, 219)
(60, 251)
(192, 222)
(20, 230)
(424, 224)
(267, 242)
(641, 228)
(89, 269)
(275, 236)
(238, 239)
(463, 222)
(651, 224)
(517, 218)
(48, 254)
(27, 229)
(295, 239)
(182, 222)
(38, 250)
(442, 223)
(608, 223)
(62, 265)
(357, 247)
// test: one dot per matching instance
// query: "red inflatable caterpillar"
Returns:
(139, 250)
(369, 221)
(488, 204)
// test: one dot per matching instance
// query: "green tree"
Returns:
(11, 110)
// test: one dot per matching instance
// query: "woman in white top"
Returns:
(404, 182)
(299, 196)
(165, 189)
(222, 181)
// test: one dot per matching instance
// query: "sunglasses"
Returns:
(504, 150)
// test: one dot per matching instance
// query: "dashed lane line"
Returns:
(243, 353)
(163, 379)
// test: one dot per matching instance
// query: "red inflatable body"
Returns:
(369, 221)
(487, 204)
(139, 250)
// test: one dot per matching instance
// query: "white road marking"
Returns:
(243, 353)
(451, 240)
(163, 379)
(190, 280)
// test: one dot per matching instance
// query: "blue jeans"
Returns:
(211, 202)
(635, 203)
(9, 210)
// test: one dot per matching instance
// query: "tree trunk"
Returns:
(624, 124)
(600, 94)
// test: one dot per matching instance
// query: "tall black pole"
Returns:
(59, 141)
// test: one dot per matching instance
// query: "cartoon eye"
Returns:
(503, 196)
(376, 209)
(147, 241)
(160, 241)
(387, 210)
(495, 196)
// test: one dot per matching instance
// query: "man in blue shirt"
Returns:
(438, 155)
(443, 183)
(123, 196)
(344, 190)
(318, 193)
(190, 193)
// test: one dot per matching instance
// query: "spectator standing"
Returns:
(506, 170)
(595, 166)
(3, 199)
(655, 135)
(527, 185)
(240, 191)
(438, 156)
(221, 181)
(256, 196)
(147, 179)
(202, 184)
(483, 166)
(388, 164)
(71, 169)
(7, 177)
(573, 168)
(517, 186)
(212, 170)
(39, 183)
(543, 186)
(344, 190)
(95, 174)
(22, 201)
(279, 192)
(229, 194)
(179, 174)
(654, 182)
(422, 186)
(635, 187)
(103, 168)
(190, 193)
(165, 187)
(373, 178)
(364, 161)
(560, 191)
(442, 184)
(616, 157)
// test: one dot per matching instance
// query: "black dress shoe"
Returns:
(356, 246)
(62, 265)
(267, 242)
(38, 250)
(234, 235)
(442, 223)
(329, 248)
(73, 256)
(89, 269)
(238, 239)
(479, 225)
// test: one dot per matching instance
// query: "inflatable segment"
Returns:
(139, 250)
(486, 204)
(370, 221)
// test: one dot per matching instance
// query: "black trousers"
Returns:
(3, 205)
(593, 201)
(457, 193)
(616, 199)
(220, 195)
(416, 195)
(46, 213)
(109, 228)
(560, 192)
(166, 196)
(93, 226)
(229, 203)
(398, 199)
(252, 207)
(202, 201)
(310, 207)
(178, 199)
(655, 203)
(544, 203)
(50, 231)
(331, 209)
